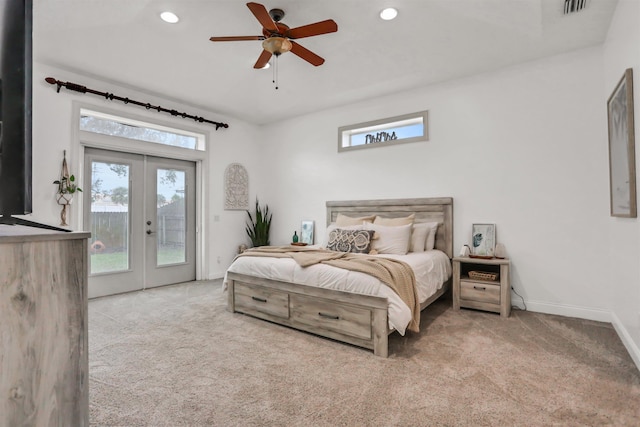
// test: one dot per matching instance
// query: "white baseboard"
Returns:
(589, 314)
(565, 310)
(628, 342)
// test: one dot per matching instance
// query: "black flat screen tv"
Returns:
(16, 28)
(15, 108)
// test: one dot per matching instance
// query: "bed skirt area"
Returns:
(356, 319)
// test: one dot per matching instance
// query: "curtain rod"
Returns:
(110, 96)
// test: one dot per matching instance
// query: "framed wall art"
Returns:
(236, 187)
(622, 157)
(306, 232)
(483, 240)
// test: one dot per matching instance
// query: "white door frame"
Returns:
(82, 139)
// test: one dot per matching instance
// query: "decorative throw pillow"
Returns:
(395, 221)
(391, 240)
(431, 238)
(333, 226)
(356, 241)
(419, 234)
(343, 220)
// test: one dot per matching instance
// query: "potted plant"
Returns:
(258, 229)
(67, 187)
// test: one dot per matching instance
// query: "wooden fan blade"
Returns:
(235, 38)
(306, 54)
(263, 59)
(262, 15)
(322, 27)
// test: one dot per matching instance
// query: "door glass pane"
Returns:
(109, 217)
(171, 229)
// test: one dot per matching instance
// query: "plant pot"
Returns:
(64, 198)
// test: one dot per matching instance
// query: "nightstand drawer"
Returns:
(479, 291)
(257, 300)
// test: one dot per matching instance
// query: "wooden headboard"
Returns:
(438, 209)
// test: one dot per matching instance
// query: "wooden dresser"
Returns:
(44, 369)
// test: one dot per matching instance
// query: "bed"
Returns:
(342, 313)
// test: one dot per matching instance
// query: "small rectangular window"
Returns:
(389, 131)
(105, 124)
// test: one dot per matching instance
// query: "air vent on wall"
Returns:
(573, 6)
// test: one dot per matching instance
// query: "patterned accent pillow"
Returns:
(356, 241)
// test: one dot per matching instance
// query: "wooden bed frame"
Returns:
(356, 319)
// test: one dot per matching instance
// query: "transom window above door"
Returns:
(107, 124)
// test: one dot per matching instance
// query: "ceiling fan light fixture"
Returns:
(277, 45)
(389, 13)
(169, 17)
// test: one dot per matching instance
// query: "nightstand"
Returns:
(482, 284)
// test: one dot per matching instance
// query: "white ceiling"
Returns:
(125, 42)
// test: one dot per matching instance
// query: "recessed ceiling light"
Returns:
(169, 17)
(388, 14)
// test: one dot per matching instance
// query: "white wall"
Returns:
(524, 147)
(622, 51)
(53, 133)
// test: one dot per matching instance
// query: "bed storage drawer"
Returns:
(318, 315)
(260, 301)
(479, 291)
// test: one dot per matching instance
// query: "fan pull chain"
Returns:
(275, 71)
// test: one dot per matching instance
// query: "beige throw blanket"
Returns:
(395, 274)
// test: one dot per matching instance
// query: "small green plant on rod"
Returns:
(258, 230)
(67, 185)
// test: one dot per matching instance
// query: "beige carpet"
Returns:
(174, 356)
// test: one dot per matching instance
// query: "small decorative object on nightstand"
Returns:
(465, 251)
(294, 239)
(482, 284)
(501, 251)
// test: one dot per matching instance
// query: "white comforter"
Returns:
(432, 269)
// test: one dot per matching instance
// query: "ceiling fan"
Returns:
(278, 38)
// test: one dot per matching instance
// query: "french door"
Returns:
(141, 214)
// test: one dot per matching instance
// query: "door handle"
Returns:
(149, 232)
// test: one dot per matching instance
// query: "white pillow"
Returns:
(431, 238)
(344, 220)
(394, 221)
(419, 235)
(390, 239)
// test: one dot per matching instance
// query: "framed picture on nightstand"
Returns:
(483, 240)
(306, 233)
